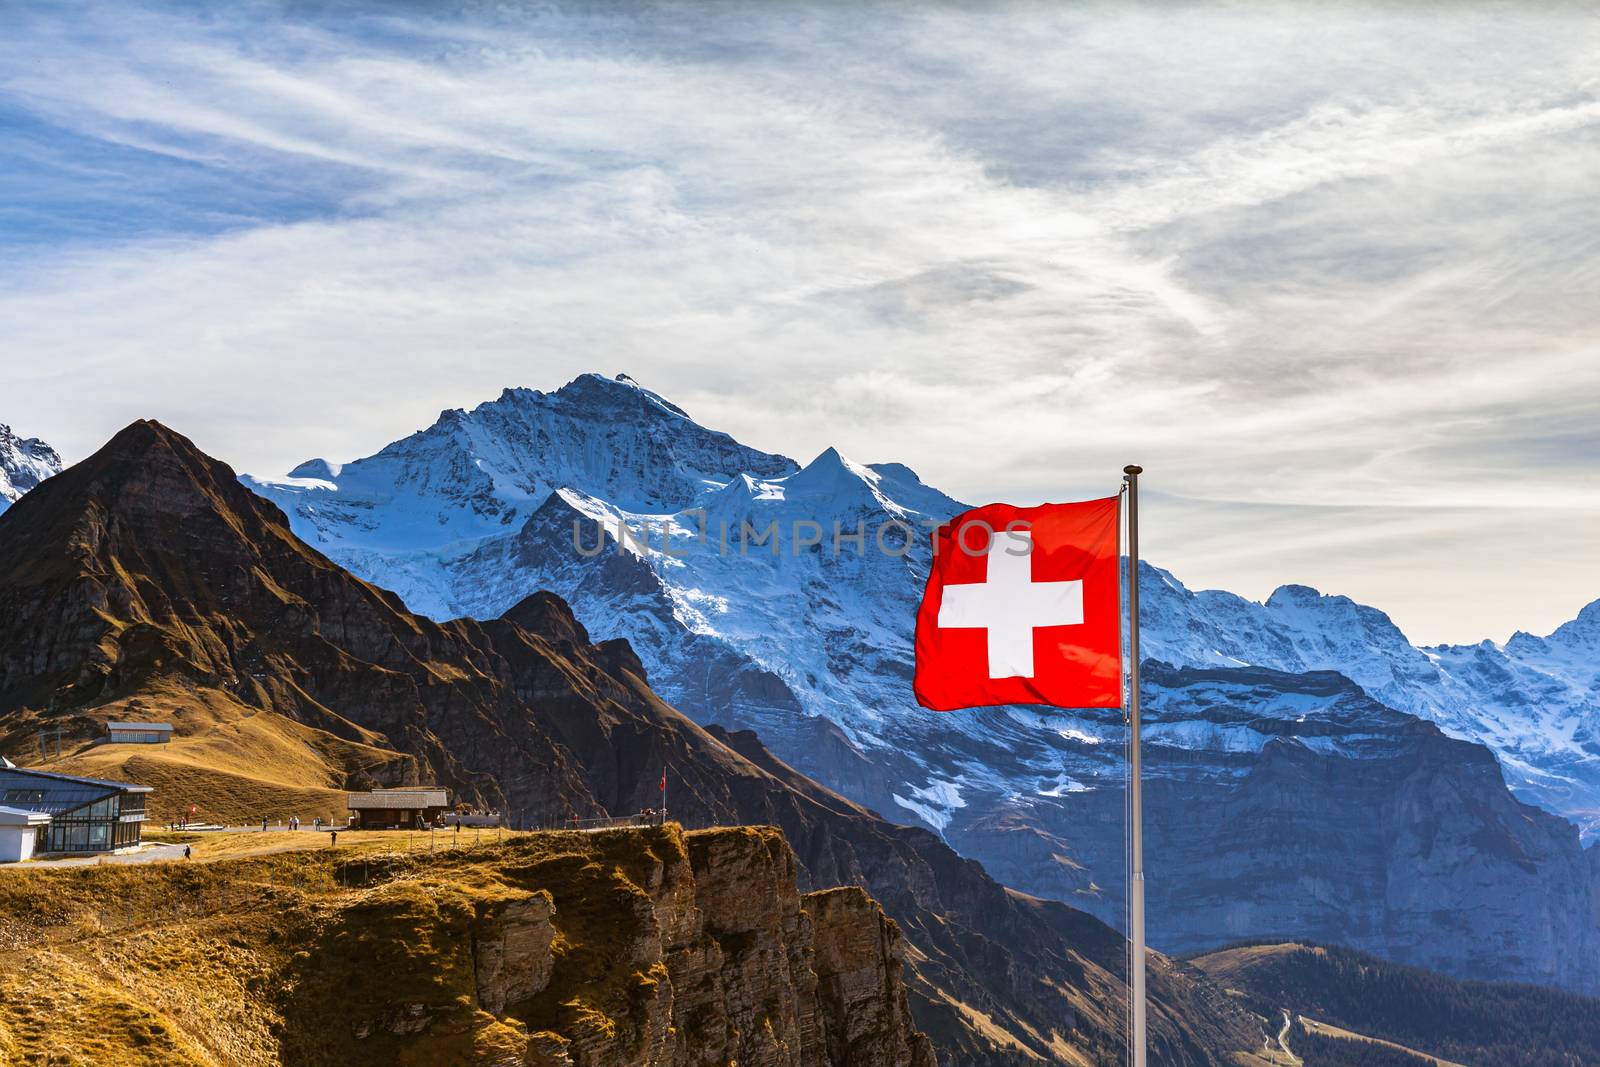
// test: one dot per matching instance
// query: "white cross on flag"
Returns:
(1023, 606)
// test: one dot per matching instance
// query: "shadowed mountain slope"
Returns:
(1496, 1023)
(147, 583)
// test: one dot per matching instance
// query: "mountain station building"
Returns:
(398, 809)
(81, 814)
(138, 733)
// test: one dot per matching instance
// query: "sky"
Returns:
(1330, 272)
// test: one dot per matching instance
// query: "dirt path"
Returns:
(1283, 1037)
(151, 853)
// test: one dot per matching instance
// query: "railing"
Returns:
(643, 818)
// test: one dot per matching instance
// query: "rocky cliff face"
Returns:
(147, 578)
(654, 949)
(626, 948)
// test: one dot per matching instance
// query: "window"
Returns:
(24, 796)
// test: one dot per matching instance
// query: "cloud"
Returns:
(1288, 257)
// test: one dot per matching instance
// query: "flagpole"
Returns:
(1138, 1037)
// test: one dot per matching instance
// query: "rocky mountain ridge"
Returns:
(148, 577)
(1296, 802)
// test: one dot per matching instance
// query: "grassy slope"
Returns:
(254, 961)
(232, 762)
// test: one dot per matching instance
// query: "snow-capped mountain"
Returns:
(466, 517)
(24, 463)
(1535, 701)
(764, 595)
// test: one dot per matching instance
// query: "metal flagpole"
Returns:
(1138, 1036)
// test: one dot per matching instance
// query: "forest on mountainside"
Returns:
(1502, 1024)
(1322, 1050)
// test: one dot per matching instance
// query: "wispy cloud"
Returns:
(1294, 258)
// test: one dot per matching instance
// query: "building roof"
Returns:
(419, 797)
(12, 817)
(159, 727)
(55, 793)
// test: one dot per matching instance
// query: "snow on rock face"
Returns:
(24, 463)
(1534, 701)
(473, 475)
(741, 586)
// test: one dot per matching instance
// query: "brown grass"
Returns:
(232, 762)
(231, 844)
(314, 956)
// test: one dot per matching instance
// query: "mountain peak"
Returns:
(318, 468)
(146, 443)
(548, 615)
(24, 463)
(829, 473)
(1582, 631)
(594, 388)
(1294, 595)
(150, 469)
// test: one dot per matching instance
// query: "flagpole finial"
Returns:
(1133, 468)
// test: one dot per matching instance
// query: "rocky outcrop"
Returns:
(512, 950)
(638, 948)
(860, 985)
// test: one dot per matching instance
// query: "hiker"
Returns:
(186, 852)
(333, 839)
(263, 824)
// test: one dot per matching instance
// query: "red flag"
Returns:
(1023, 606)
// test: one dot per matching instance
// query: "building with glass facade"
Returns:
(86, 814)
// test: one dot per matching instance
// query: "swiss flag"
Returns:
(1023, 606)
